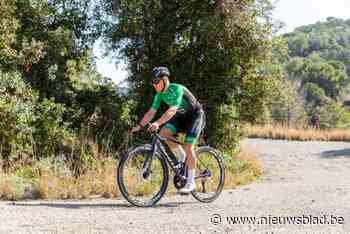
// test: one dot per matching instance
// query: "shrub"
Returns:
(332, 115)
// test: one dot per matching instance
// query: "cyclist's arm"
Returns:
(152, 111)
(148, 116)
(166, 116)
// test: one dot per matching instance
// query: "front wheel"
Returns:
(210, 174)
(136, 187)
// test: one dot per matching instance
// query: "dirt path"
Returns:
(299, 178)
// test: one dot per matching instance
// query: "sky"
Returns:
(108, 66)
(293, 13)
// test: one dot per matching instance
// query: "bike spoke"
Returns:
(209, 181)
(139, 186)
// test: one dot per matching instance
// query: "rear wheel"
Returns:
(210, 174)
(138, 188)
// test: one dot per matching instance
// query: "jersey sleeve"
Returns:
(176, 101)
(156, 101)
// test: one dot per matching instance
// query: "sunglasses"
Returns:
(155, 81)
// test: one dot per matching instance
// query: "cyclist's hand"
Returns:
(136, 129)
(153, 127)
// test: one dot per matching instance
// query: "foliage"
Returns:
(318, 65)
(17, 107)
(288, 106)
(29, 128)
(8, 26)
(314, 95)
(329, 75)
(330, 40)
(333, 116)
(60, 117)
(50, 129)
(222, 44)
(53, 102)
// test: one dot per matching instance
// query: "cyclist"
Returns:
(185, 114)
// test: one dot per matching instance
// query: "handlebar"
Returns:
(156, 134)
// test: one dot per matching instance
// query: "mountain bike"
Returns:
(143, 172)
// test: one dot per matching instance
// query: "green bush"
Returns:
(332, 115)
(17, 113)
(50, 129)
(28, 128)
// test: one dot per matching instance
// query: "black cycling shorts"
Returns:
(189, 123)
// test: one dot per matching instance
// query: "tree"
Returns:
(8, 27)
(329, 75)
(216, 48)
(44, 39)
(332, 115)
(330, 40)
(314, 94)
(50, 90)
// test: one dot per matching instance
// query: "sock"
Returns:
(191, 175)
(179, 151)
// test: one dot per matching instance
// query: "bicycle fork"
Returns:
(146, 168)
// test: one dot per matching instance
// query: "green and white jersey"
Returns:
(177, 96)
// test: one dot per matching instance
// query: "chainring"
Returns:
(179, 182)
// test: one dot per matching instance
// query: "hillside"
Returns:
(330, 40)
(317, 69)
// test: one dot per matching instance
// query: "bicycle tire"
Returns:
(120, 179)
(219, 160)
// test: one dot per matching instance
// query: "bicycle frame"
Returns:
(157, 150)
(170, 158)
(157, 144)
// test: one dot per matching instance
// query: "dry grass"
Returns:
(100, 182)
(11, 187)
(243, 170)
(51, 183)
(300, 134)
(48, 180)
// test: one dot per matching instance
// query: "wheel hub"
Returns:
(146, 175)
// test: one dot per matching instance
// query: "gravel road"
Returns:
(306, 180)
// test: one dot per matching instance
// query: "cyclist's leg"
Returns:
(167, 132)
(192, 133)
(191, 165)
(195, 127)
(172, 127)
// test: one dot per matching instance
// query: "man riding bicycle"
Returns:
(185, 114)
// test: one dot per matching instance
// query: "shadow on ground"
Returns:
(85, 205)
(336, 153)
